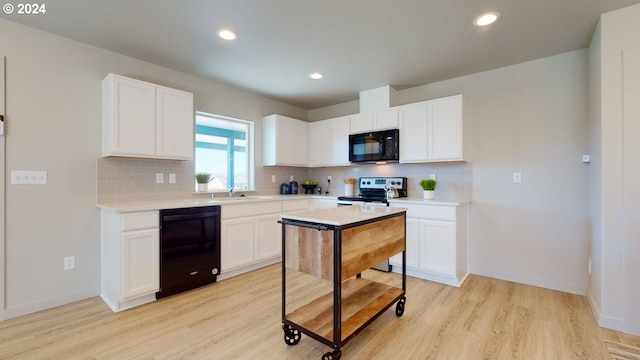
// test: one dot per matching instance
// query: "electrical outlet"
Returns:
(273, 178)
(172, 178)
(290, 178)
(432, 176)
(329, 178)
(69, 262)
(159, 178)
(517, 177)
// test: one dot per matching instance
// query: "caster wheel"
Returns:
(400, 306)
(291, 336)
(334, 355)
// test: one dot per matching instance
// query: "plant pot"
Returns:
(203, 187)
(427, 194)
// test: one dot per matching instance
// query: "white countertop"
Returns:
(148, 205)
(421, 201)
(343, 215)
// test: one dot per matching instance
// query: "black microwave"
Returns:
(378, 146)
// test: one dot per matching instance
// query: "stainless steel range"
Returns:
(377, 191)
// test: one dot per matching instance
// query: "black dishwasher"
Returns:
(189, 248)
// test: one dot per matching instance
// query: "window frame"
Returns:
(250, 152)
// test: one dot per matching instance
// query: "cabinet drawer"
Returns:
(295, 205)
(243, 210)
(140, 220)
(431, 212)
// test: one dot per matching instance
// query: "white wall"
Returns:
(531, 118)
(2, 181)
(614, 292)
(53, 108)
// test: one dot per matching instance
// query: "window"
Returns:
(223, 149)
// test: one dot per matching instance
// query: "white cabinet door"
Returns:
(144, 120)
(445, 129)
(140, 263)
(320, 141)
(237, 245)
(412, 245)
(340, 141)
(385, 120)
(361, 123)
(438, 246)
(300, 143)
(431, 131)
(175, 136)
(413, 132)
(129, 117)
(285, 141)
(329, 142)
(268, 237)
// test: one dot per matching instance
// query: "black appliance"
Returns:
(373, 191)
(293, 187)
(189, 248)
(379, 146)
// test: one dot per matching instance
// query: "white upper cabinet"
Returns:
(285, 141)
(431, 131)
(320, 143)
(174, 115)
(140, 119)
(329, 142)
(379, 120)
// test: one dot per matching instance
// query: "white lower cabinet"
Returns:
(437, 243)
(238, 243)
(268, 237)
(130, 258)
(250, 237)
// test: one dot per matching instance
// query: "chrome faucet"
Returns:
(232, 191)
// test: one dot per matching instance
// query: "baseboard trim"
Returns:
(25, 309)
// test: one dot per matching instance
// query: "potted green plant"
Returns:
(428, 186)
(203, 179)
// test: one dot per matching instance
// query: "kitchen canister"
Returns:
(348, 186)
(348, 189)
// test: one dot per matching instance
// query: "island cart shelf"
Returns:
(318, 249)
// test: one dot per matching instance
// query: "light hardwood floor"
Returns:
(240, 318)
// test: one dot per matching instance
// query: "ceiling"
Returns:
(357, 44)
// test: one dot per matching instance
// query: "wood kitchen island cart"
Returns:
(325, 252)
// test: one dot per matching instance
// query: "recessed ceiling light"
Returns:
(226, 34)
(486, 19)
(316, 76)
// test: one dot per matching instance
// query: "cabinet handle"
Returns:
(193, 273)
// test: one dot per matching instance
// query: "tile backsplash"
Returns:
(127, 179)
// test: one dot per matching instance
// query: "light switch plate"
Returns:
(159, 178)
(517, 177)
(24, 177)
